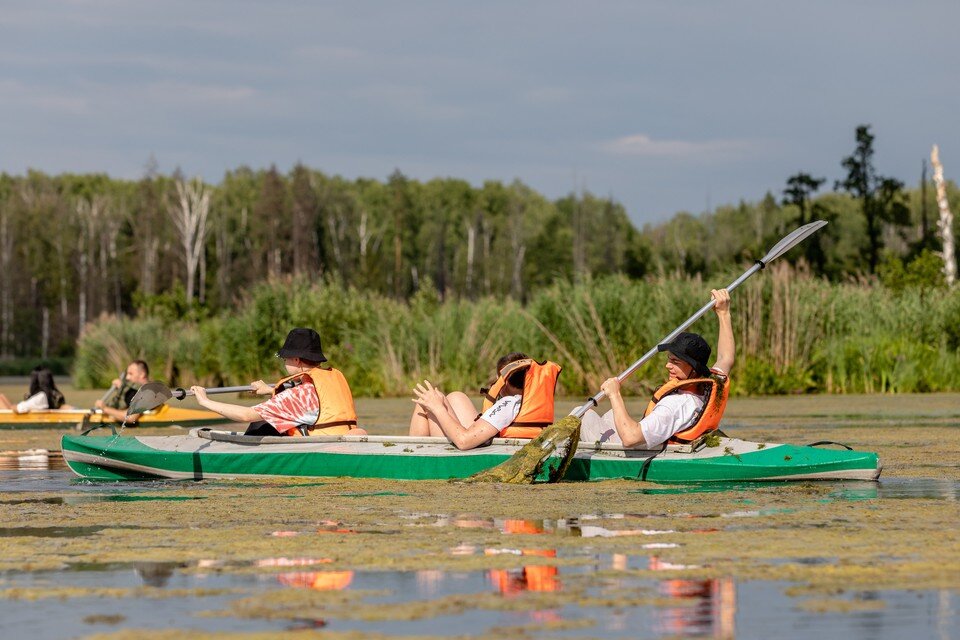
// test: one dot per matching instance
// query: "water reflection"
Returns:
(683, 607)
(317, 580)
(31, 460)
(156, 574)
(703, 607)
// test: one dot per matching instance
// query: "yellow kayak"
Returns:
(162, 416)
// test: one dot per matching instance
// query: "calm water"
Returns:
(715, 608)
(718, 608)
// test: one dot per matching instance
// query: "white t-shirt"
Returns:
(674, 413)
(36, 402)
(503, 412)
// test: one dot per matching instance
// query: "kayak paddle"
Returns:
(563, 436)
(112, 390)
(153, 394)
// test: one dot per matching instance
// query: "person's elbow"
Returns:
(632, 438)
(463, 445)
(724, 364)
(633, 441)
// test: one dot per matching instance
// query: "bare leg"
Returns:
(419, 425)
(457, 403)
(4, 403)
(460, 406)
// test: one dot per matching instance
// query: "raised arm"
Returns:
(725, 343)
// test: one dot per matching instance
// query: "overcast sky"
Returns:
(665, 106)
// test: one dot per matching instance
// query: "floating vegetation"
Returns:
(608, 545)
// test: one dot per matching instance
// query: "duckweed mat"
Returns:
(600, 547)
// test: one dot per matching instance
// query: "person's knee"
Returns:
(458, 397)
(463, 407)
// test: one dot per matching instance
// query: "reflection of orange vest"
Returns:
(714, 390)
(538, 577)
(319, 580)
(536, 407)
(337, 414)
(521, 526)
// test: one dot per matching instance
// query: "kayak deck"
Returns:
(163, 416)
(205, 453)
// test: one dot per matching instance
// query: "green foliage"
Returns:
(924, 271)
(169, 306)
(173, 350)
(794, 334)
(406, 278)
(23, 366)
(881, 198)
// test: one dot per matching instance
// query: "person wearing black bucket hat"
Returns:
(303, 344)
(682, 405)
(310, 400)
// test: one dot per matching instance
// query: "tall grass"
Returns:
(794, 333)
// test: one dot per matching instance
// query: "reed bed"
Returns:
(795, 334)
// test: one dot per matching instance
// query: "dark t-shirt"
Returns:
(122, 399)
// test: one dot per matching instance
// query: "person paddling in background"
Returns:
(520, 404)
(43, 394)
(682, 405)
(136, 375)
(310, 401)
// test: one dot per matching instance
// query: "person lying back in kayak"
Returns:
(135, 376)
(689, 404)
(518, 405)
(43, 394)
(310, 400)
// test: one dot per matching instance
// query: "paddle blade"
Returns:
(150, 396)
(558, 440)
(792, 240)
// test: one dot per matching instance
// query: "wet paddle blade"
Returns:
(525, 465)
(150, 396)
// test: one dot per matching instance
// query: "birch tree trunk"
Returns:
(471, 248)
(203, 277)
(519, 248)
(88, 218)
(363, 237)
(190, 218)
(224, 261)
(6, 271)
(579, 250)
(45, 333)
(945, 222)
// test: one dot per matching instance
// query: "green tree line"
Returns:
(76, 248)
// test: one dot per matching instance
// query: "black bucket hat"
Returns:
(692, 349)
(302, 343)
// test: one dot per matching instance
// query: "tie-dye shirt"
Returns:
(291, 408)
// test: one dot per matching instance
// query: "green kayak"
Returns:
(208, 453)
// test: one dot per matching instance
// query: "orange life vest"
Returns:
(337, 414)
(536, 407)
(714, 390)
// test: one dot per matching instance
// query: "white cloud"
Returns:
(641, 144)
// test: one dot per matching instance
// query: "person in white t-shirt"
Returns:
(43, 394)
(688, 356)
(454, 416)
